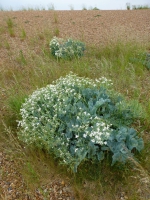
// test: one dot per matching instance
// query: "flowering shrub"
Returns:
(66, 49)
(79, 118)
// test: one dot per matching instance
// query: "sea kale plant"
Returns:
(68, 49)
(143, 59)
(80, 119)
(147, 61)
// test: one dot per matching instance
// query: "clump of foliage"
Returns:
(10, 23)
(68, 49)
(95, 8)
(128, 6)
(80, 119)
(147, 61)
(143, 59)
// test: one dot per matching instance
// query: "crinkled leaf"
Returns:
(140, 145)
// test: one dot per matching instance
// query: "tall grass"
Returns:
(30, 70)
(10, 25)
(23, 35)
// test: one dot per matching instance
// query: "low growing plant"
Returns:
(55, 18)
(21, 58)
(66, 49)
(147, 61)
(10, 23)
(95, 8)
(128, 6)
(56, 31)
(143, 59)
(80, 119)
(23, 34)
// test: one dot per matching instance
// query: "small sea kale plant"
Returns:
(80, 119)
(147, 61)
(143, 58)
(68, 49)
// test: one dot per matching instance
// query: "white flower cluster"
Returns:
(66, 49)
(57, 114)
(55, 44)
(56, 41)
(104, 81)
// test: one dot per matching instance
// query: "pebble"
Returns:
(14, 188)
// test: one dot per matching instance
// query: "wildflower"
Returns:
(68, 119)
(66, 49)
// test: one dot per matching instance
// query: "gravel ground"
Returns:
(93, 27)
(14, 187)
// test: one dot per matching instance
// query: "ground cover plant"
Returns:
(26, 65)
(78, 119)
(143, 58)
(147, 61)
(68, 49)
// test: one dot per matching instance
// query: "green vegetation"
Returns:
(91, 121)
(140, 7)
(143, 58)
(6, 45)
(84, 7)
(10, 26)
(95, 8)
(128, 6)
(55, 18)
(10, 23)
(68, 49)
(56, 32)
(36, 8)
(33, 67)
(21, 58)
(23, 35)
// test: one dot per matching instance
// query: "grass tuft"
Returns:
(56, 32)
(55, 18)
(21, 58)
(23, 35)
(10, 23)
